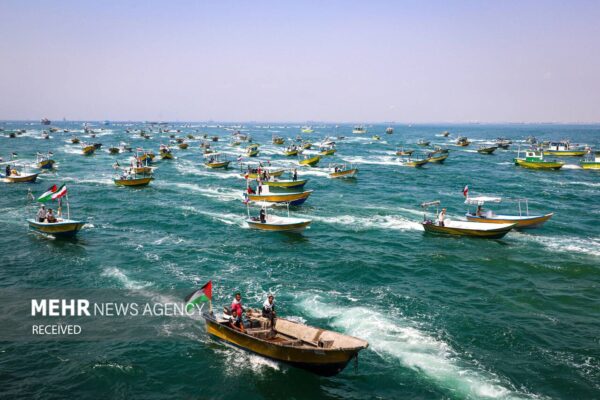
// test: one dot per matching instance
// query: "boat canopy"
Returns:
(481, 200)
(430, 203)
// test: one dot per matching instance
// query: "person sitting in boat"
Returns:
(235, 321)
(41, 214)
(479, 211)
(262, 216)
(50, 218)
(442, 217)
(7, 170)
(268, 310)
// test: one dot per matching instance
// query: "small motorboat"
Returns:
(376, 137)
(316, 350)
(45, 135)
(278, 140)
(88, 149)
(214, 161)
(61, 227)
(252, 150)
(44, 161)
(45, 121)
(165, 152)
(423, 142)
(535, 160)
(522, 221)
(389, 130)
(114, 150)
(183, 145)
(464, 228)
(179, 140)
(591, 161)
(310, 161)
(445, 134)
(462, 141)
(413, 162)
(437, 157)
(483, 149)
(275, 223)
(359, 130)
(19, 174)
(75, 140)
(133, 179)
(306, 145)
(256, 172)
(307, 129)
(564, 149)
(263, 194)
(343, 171)
(402, 152)
(503, 143)
(124, 147)
(97, 145)
(287, 184)
(12, 134)
(291, 151)
(327, 150)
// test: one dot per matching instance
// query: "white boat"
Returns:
(274, 223)
(523, 221)
(359, 130)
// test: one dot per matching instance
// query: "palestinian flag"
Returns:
(61, 192)
(48, 194)
(199, 296)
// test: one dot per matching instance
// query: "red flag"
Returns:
(466, 191)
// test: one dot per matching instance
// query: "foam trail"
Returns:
(226, 218)
(375, 222)
(375, 160)
(414, 349)
(119, 275)
(564, 244)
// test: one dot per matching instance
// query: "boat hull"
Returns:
(454, 231)
(295, 199)
(327, 152)
(438, 159)
(46, 164)
(319, 361)
(21, 178)
(223, 164)
(539, 164)
(521, 222)
(133, 182)
(311, 162)
(590, 165)
(253, 153)
(565, 153)
(266, 226)
(416, 163)
(347, 174)
(290, 153)
(286, 184)
(488, 150)
(58, 229)
(275, 173)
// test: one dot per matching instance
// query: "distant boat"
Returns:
(46, 121)
(389, 130)
(535, 160)
(307, 129)
(592, 161)
(359, 130)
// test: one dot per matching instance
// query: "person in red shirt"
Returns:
(236, 305)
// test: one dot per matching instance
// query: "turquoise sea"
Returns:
(451, 318)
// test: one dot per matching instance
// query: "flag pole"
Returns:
(68, 208)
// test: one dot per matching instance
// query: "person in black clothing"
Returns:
(7, 170)
(262, 216)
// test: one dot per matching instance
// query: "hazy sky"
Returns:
(405, 61)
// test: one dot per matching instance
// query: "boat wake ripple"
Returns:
(375, 222)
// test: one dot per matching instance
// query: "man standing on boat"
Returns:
(41, 214)
(442, 217)
(236, 305)
(268, 310)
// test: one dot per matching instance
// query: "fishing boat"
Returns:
(278, 140)
(503, 143)
(423, 142)
(531, 140)
(389, 130)
(19, 173)
(75, 140)
(307, 129)
(306, 145)
(376, 137)
(437, 157)
(403, 152)
(45, 161)
(285, 183)
(45, 121)
(130, 178)
(256, 171)
(165, 152)
(88, 149)
(124, 147)
(316, 350)
(263, 194)
(564, 149)
(343, 171)
(267, 221)
(327, 150)
(214, 160)
(591, 161)
(62, 227)
(359, 130)
(463, 228)
(114, 150)
(413, 162)
(483, 149)
(445, 134)
(462, 141)
(291, 151)
(146, 156)
(45, 135)
(190, 136)
(310, 161)
(12, 134)
(183, 145)
(535, 160)
(439, 150)
(97, 145)
(521, 221)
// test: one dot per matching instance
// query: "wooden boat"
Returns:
(165, 153)
(132, 179)
(88, 150)
(389, 130)
(306, 145)
(252, 152)
(19, 177)
(183, 145)
(591, 161)
(445, 134)
(291, 151)
(214, 161)
(403, 152)
(343, 172)
(114, 150)
(44, 161)
(535, 160)
(462, 141)
(359, 130)
(486, 149)
(190, 136)
(317, 350)
(410, 162)
(75, 140)
(503, 143)
(376, 137)
(464, 228)
(252, 173)
(288, 184)
(423, 142)
(327, 151)
(564, 149)
(62, 228)
(294, 199)
(278, 140)
(143, 170)
(274, 223)
(521, 221)
(437, 158)
(310, 161)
